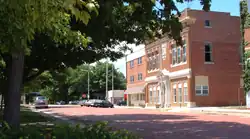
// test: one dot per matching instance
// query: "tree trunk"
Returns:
(13, 97)
(2, 100)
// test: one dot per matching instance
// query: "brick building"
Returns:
(205, 71)
(136, 73)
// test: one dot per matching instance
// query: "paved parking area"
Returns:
(152, 124)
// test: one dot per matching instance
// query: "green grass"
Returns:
(27, 116)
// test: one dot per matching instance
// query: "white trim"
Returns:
(185, 18)
(177, 74)
(179, 85)
(136, 54)
(174, 86)
(185, 85)
(154, 70)
(151, 78)
(179, 64)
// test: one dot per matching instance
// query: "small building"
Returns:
(114, 96)
(204, 71)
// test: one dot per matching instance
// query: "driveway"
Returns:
(152, 124)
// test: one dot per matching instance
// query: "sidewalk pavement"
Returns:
(221, 110)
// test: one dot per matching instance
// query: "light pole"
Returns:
(88, 81)
(106, 97)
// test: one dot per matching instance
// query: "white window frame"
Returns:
(132, 78)
(139, 61)
(202, 88)
(180, 96)
(163, 50)
(139, 78)
(184, 55)
(185, 92)
(174, 94)
(174, 56)
(131, 63)
(178, 55)
(210, 52)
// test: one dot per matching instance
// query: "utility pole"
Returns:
(88, 82)
(112, 78)
(106, 97)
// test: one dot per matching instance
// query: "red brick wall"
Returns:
(224, 74)
(141, 68)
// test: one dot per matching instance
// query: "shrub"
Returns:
(96, 131)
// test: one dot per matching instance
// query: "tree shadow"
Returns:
(153, 126)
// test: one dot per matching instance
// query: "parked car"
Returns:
(41, 102)
(89, 103)
(75, 102)
(122, 103)
(60, 103)
(82, 102)
(103, 104)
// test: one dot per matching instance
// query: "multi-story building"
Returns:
(136, 73)
(204, 71)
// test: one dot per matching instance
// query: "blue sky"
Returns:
(230, 6)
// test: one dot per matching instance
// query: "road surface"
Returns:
(153, 124)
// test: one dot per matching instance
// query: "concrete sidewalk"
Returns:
(195, 109)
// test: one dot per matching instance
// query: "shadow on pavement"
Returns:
(152, 126)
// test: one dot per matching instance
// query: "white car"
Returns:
(41, 102)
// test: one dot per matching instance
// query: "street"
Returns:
(153, 124)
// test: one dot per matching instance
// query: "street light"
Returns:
(88, 80)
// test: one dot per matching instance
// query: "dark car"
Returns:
(103, 104)
(122, 103)
(89, 103)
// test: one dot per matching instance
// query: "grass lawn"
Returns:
(27, 116)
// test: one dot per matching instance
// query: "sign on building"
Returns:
(248, 99)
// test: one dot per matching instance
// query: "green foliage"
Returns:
(96, 131)
(71, 83)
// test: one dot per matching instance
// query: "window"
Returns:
(139, 60)
(163, 49)
(131, 63)
(208, 52)
(142, 96)
(184, 52)
(139, 76)
(207, 23)
(131, 79)
(180, 94)
(178, 54)
(201, 90)
(174, 95)
(185, 91)
(150, 96)
(173, 56)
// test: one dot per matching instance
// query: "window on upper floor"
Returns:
(139, 76)
(208, 52)
(184, 52)
(139, 60)
(207, 23)
(173, 55)
(132, 79)
(163, 49)
(178, 55)
(131, 63)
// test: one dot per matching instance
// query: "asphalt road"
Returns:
(153, 124)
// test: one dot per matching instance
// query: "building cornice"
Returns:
(172, 75)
